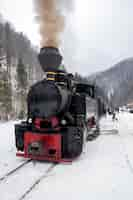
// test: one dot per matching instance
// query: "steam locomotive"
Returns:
(55, 129)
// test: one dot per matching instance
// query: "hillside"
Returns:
(117, 82)
(19, 67)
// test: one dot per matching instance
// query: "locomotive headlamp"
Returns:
(63, 122)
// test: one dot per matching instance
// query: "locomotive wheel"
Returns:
(74, 142)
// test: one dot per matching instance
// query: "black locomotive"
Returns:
(55, 128)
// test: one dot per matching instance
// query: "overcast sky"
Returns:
(101, 30)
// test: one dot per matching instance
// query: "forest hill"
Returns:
(19, 68)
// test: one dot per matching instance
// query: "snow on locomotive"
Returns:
(56, 120)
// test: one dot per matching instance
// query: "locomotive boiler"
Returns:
(55, 129)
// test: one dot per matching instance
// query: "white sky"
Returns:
(21, 14)
(103, 29)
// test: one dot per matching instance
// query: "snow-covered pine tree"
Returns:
(22, 84)
(5, 97)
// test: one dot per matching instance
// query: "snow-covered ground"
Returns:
(104, 171)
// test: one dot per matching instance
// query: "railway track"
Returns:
(109, 132)
(22, 180)
(31, 188)
(13, 171)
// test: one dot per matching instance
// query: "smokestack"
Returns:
(50, 59)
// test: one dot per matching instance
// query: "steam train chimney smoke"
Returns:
(51, 21)
(50, 17)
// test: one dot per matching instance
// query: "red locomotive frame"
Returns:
(50, 144)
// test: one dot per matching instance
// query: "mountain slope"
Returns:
(117, 82)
